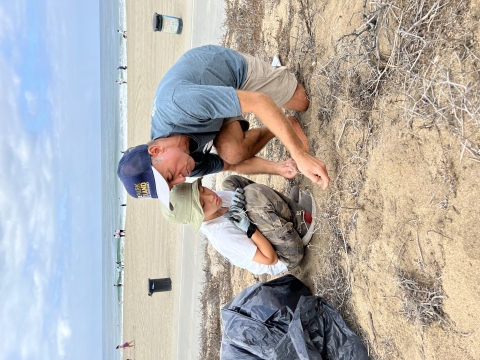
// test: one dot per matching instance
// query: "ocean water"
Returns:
(113, 141)
(114, 127)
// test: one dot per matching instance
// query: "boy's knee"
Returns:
(230, 183)
(256, 196)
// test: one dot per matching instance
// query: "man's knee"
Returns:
(228, 143)
(302, 98)
(231, 153)
(299, 100)
(231, 150)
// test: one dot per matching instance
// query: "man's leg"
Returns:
(277, 82)
(234, 145)
(279, 219)
(299, 100)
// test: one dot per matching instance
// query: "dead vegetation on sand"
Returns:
(216, 292)
(395, 99)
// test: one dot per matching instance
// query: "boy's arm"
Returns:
(265, 253)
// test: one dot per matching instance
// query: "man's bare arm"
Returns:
(258, 165)
(276, 121)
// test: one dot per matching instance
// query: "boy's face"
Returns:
(209, 201)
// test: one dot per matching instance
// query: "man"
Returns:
(198, 104)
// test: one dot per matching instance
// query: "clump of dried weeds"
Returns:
(422, 301)
(420, 56)
(216, 292)
(243, 26)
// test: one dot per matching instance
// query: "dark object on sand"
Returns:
(281, 320)
(159, 285)
(167, 24)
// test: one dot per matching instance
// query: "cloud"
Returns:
(64, 332)
(32, 102)
(37, 90)
(12, 18)
(27, 227)
(29, 242)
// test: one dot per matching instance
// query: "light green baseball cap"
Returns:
(187, 209)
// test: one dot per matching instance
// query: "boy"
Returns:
(263, 231)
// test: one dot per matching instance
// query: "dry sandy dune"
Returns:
(395, 99)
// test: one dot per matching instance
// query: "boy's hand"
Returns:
(238, 217)
(238, 199)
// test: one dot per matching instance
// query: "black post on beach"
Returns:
(159, 285)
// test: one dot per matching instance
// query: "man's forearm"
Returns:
(252, 166)
(276, 121)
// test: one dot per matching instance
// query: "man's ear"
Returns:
(156, 150)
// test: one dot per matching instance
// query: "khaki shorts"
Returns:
(275, 81)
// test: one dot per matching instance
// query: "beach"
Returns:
(166, 325)
(153, 246)
(393, 114)
(396, 242)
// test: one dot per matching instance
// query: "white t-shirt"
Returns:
(232, 242)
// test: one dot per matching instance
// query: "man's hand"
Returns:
(313, 168)
(276, 121)
(288, 169)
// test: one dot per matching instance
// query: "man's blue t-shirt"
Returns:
(195, 96)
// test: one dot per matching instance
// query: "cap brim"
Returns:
(163, 190)
(197, 212)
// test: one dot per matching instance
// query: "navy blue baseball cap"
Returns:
(140, 178)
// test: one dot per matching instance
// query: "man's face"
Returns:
(175, 166)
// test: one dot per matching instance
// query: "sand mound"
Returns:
(395, 96)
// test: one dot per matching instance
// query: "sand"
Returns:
(401, 208)
(152, 249)
(402, 204)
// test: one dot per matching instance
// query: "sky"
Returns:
(50, 181)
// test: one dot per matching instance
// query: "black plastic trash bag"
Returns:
(281, 320)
